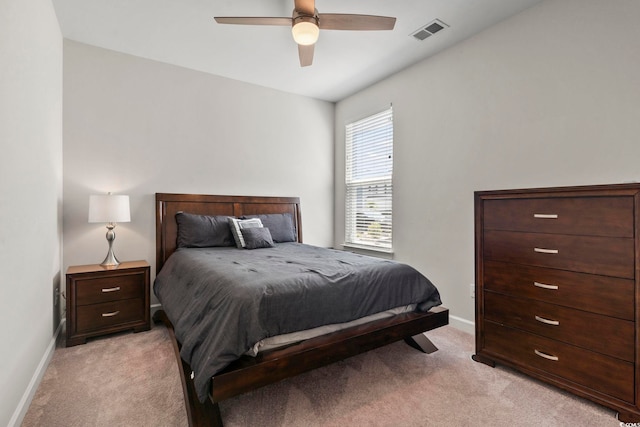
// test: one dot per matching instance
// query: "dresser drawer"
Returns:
(587, 254)
(595, 371)
(602, 334)
(590, 216)
(99, 316)
(610, 296)
(110, 288)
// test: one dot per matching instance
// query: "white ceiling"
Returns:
(183, 32)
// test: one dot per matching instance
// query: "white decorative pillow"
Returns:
(237, 225)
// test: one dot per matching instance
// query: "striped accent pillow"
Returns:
(238, 224)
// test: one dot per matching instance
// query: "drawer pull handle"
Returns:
(113, 313)
(546, 216)
(116, 289)
(547, 321)
(544, 285)
(546, 356)
(545, 251)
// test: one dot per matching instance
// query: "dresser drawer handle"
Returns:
(545, 251)
(546, 356)
(113, 313)
(546, 216)
(547, 321)
(116, 289)
(544, 285)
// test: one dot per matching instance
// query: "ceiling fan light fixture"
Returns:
(305, 30)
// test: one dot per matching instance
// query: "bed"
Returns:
(246, 373)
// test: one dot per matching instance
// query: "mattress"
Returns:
(284, 340)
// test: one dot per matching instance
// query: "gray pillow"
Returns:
(202, 231)
(281, 226)
(257, 237)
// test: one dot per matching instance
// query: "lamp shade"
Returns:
(109, 208)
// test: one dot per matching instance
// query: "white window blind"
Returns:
(369, 186)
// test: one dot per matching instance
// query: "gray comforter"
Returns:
(223, 300)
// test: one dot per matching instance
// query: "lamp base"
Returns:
(110, 260)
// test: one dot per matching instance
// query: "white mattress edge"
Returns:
(294, 337)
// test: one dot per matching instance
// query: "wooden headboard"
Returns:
(167, 205)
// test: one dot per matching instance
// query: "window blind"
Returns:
(369, 186)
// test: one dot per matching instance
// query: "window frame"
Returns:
(369, 181)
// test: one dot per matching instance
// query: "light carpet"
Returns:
(132, 380)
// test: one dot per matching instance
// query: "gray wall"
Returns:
(550, 97)
(135, 126)
(30, 196)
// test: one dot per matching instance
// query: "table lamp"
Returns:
(109, 209)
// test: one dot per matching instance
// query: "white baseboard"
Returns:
(462, 324)
(27, 397)
(155, 307)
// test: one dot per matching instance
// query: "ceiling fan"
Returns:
(306, 24)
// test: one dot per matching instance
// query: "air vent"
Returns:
(429, 29)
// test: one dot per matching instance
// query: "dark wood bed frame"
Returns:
(249, 373)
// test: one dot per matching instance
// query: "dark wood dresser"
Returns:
(104, 300)
(557, 283)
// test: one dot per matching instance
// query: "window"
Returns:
(369, 170)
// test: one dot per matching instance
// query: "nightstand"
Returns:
(103, 300)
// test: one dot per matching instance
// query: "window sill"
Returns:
(369, 250)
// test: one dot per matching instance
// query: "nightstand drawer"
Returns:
(113, 288)
(606, 295)
(594, 216)
(609, 256)
(603, 334)
(98, 316)
(589, 369)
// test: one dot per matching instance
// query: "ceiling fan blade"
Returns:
(305, 7)
(252, 20)
(306, 55)
(342, 21)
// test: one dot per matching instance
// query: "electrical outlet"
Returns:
(472, 290)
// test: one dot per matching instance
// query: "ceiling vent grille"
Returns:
(430, 29)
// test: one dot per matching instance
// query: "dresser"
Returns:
(556, 286)
(103, 300)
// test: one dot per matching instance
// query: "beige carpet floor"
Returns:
(132, 380)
